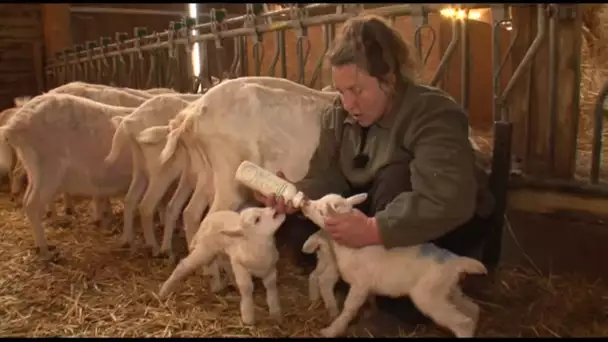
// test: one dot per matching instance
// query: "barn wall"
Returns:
(21, 55)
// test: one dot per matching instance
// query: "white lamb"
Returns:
(248, 240)
(429, 274)
(62, 141)
(150, 179)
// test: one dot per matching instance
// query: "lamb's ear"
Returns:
(356, 199)
(330, 210)
(233, 231)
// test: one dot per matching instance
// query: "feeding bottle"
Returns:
(267, 183)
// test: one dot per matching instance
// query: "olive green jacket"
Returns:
(429, 130)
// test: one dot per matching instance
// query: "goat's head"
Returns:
(321, 209)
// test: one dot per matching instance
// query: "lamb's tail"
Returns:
(314, 243)
(121, 136)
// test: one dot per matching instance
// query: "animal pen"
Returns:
(519, 117)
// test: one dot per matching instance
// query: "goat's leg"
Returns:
(132, 198)
(245, 286)
(194, 210)
(159, 183)
(357, 295)
(173, 210)
(272, 295)
(68, 204)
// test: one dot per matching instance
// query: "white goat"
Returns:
(147, 169)
(62, 140)
(210, 130)
(248, 240)
(429, 274)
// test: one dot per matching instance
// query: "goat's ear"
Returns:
(356, 199)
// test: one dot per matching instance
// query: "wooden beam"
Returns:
(57, 28)
(547, 202)
(569, 38)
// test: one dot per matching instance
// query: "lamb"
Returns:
(207, 128)
(61, 140)
(431, 279)
(146, 168)
(248, 240)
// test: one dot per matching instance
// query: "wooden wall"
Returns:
(21, 56)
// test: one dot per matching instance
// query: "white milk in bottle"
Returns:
(267, 183)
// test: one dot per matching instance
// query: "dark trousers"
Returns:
(390, 181)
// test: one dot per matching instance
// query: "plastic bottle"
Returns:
(267, 183)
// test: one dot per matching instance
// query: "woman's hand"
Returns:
(278, 204)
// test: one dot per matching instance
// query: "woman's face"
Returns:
(361, 94)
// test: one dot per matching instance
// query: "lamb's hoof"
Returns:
(68, 211)
(168, 256)
(49, 247)
(48, 214)
(62, 222)
(126, 244)
(218, 286)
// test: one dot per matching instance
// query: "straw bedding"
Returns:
(98, 289)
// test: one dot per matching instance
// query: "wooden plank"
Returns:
(21, 32)
(38, 62)
(539, 113)
(21, 21)
(56, 28)
(569, 38)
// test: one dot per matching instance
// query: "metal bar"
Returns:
(449, 51)
(497, 64)
(541, 32)
(596, 147)
(398, 10)
(552, 78)
(114, 10)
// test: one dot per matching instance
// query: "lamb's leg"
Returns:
(173, 210)
(102, 208)
(357, 295)
(272, 295)
(327, 282)
(132, 198)
(194, 210)
(464, 304)
(197, 258)
(245, 285)
(435, 305)
(159, 183)
(313, 284)
(213, 270)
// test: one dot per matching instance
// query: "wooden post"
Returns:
(524, 21)
(569, 35)
(57, 28)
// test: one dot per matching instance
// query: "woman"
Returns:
(403, 143)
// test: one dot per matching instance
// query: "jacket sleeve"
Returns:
(443, 179)
(324, 175)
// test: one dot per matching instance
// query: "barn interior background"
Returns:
(557, 129)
